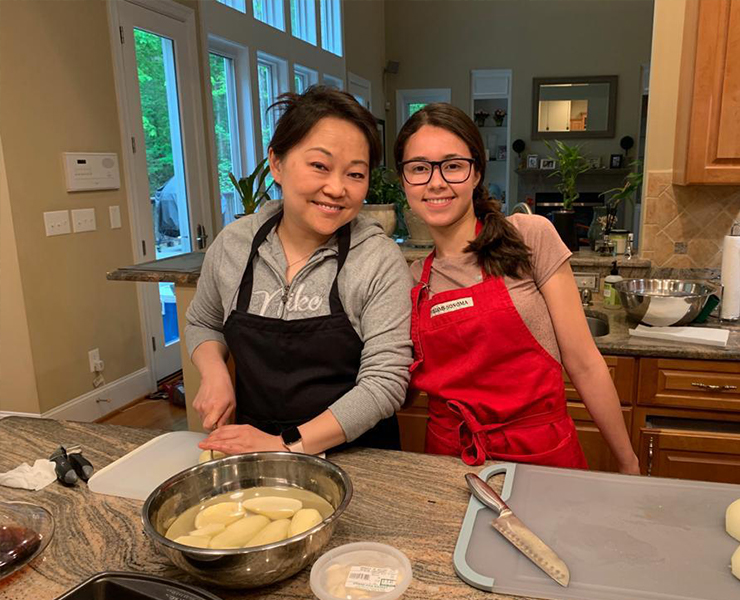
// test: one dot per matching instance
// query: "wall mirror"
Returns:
(574, 107)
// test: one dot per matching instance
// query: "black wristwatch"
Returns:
(292, 439)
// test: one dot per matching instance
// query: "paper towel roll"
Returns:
(730, 308)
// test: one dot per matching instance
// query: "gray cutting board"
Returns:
(622, 537)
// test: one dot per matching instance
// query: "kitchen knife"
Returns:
(508, 525)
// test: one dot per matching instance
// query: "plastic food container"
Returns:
(112, 585)
(359, 571)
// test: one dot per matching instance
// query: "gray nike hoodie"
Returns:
(374, 287)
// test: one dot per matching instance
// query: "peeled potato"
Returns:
(732, 519)
(209, 530)
(205, 456)
(240, 532)
(273, 507)
(194, 540)
(276, 531)
(224, 513)
(736, 563)
(303, 520)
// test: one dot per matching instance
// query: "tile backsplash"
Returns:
(684, 226)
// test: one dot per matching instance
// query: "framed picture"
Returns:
(533, 161)
(547, 164)
(380, 124)
(615, 161)
(501, 153)
(594, 162)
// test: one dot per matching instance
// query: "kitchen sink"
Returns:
(598, 324)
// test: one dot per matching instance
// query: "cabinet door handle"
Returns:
(650, 456)
(714, 388)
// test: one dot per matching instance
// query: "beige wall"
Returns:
(57, 94)
(682, 226)
(439, 42)
(364, 41)
(17, 378)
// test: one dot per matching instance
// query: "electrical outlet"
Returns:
(83, 219)
(94, 358)
(587, 280)
(56, 222)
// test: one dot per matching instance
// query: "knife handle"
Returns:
(485, 493)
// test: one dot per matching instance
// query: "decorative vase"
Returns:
(565, 224)
(480, 121)
(596, 229)
(385, 214)
(418, 231)
(498, 122)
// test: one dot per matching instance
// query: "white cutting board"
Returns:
(138, 473)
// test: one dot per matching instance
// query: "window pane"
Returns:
(239, 5)
(270, 12)
(303, 20)
(226, 133)
(412, 107)
(267, 97)
(331, 26)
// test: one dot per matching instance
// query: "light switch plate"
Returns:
(83, 219)
(56, 222)
(587, 280)
(114, 212)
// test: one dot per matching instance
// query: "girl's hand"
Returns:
(240, 439)
(631, 467)
(215, 401)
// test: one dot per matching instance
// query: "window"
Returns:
(331, 26)
(226, 133)
(334, 82)
(270, 12)
(304, 78)
(360, 88)
(303, 20)
(272, 82)
(239, 5)
(409, 101)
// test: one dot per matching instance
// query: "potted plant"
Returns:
(615, 196)
(480, 117)
(570, 163)
(383, 196)
(498, 116)
(252, 190)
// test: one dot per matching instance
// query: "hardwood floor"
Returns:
(150, 414)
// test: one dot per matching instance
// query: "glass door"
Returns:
(161, 103)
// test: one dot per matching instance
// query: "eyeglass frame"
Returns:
(437, 163)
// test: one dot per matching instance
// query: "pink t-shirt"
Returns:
(548, 254)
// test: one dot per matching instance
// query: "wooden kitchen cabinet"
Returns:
(708, 118)
(598, 455)
(412, 421)
(623, 370)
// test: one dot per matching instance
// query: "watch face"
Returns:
(291, 435)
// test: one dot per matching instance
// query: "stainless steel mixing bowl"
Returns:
(663, 302)
(247, 567)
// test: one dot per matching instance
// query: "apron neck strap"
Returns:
(247, 283)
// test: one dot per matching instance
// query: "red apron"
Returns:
(494, 391)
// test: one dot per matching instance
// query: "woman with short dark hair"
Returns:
(309, 297)
(495, 310)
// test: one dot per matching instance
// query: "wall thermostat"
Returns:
(91, 171)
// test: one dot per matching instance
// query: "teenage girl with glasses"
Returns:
(496, 314)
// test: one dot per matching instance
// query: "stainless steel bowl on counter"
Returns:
(663, 302)
(247, 567)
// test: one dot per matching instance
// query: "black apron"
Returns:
(288, 372)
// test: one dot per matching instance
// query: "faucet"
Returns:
(586, 297)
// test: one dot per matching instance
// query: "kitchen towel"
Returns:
(693, 335)
(28, 477)
(730, 307)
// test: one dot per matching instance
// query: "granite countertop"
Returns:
(394, 503)
(620, 342)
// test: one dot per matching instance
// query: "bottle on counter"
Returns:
(611, 296)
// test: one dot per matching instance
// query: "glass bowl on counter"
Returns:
(25, 531)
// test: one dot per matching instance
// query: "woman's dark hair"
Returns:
(300, 112)
(499, 247)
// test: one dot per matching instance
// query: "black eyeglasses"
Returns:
(453, 170)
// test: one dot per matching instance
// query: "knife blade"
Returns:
(517, 533)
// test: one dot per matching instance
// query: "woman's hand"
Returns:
(215, 401)
(631, 467)
(239, 439)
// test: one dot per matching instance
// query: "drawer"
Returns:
(703, 385)
(622, 370)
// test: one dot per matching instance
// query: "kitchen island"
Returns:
(411, 501)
